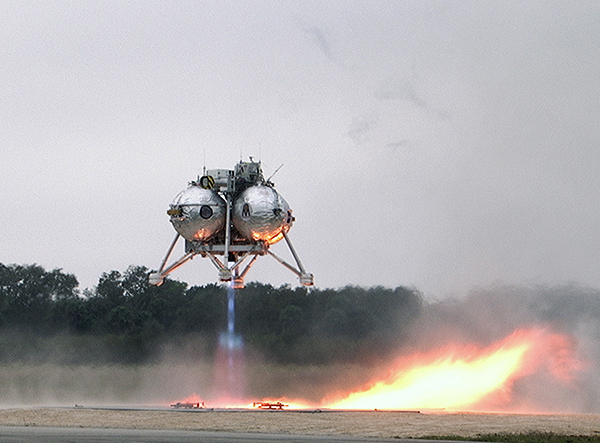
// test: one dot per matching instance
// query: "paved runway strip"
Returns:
(27, 434)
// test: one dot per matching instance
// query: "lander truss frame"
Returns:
(226, 272)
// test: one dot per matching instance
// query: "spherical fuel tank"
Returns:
(260, 213)
(197, 214)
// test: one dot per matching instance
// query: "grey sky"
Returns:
(435, 144)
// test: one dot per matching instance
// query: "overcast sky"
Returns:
(437, 144)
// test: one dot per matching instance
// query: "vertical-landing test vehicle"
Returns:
(236, 214)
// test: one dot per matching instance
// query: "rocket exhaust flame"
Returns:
(229, 362)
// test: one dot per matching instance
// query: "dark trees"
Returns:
(29, 296)
(129, 318)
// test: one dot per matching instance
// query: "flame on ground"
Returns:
(462, 376)
(454, 377)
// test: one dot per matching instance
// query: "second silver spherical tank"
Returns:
(260, 213)
(198, 214)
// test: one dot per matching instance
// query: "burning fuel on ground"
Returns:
(458, 377)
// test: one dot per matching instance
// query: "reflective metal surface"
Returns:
(260, 213)
(198, 214)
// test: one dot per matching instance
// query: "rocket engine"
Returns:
(236, 214)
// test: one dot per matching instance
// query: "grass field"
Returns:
(490, 427)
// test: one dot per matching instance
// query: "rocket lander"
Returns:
(236, 215)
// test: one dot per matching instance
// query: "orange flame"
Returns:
(455, 377)
(459, 377)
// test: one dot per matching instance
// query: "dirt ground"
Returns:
(368, 424)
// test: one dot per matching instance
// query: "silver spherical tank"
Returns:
(198, 214)
(260, 213)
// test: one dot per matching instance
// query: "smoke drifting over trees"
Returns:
(325, 340)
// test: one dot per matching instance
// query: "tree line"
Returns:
(124, 319)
